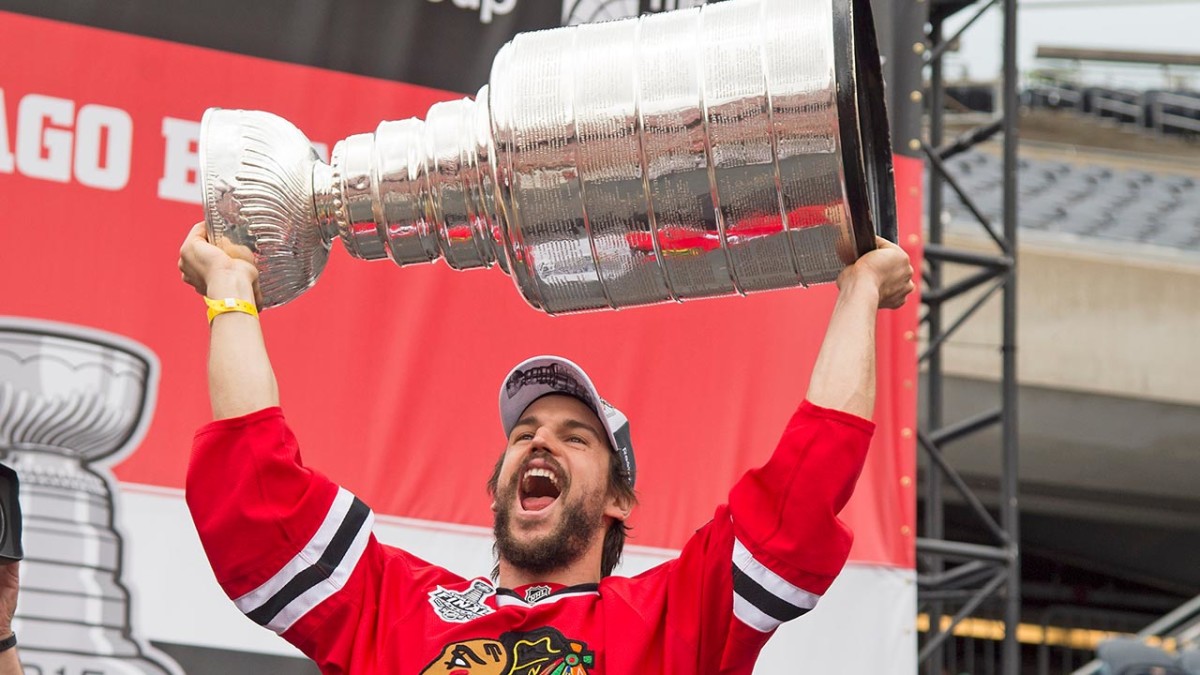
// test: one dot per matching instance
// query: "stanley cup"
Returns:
(734, 148)
(74, 401)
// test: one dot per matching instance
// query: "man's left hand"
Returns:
(887, 269)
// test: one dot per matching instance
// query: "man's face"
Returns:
(552, 496)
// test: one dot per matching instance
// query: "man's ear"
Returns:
(618, 508)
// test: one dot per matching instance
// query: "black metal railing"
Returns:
(1174, 113)
(1167, 113)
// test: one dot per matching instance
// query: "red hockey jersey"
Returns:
(295, 553)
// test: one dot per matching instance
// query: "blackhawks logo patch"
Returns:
(544, 651)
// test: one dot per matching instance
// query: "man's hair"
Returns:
(614, 538)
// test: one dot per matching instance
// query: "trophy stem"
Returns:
(415, 190)
(324, 200)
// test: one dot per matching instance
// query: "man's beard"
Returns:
(564, 545)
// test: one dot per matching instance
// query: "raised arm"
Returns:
(781, 530)
(10, 663)
(262, 516)
(843, 377)
(240, 379)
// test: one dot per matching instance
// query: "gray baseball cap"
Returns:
(541, 375)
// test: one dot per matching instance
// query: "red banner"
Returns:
(390, 376)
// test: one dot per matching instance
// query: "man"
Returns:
(295, 553)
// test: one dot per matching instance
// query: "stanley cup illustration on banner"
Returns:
(72, 402)
(722, 150)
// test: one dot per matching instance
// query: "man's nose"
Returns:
(542, 439)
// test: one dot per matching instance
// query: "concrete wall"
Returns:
(1109, 404)
(1093, 317)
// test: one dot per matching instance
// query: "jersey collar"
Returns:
(541, 594)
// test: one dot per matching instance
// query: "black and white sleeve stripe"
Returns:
(318, 571)
(761, 598)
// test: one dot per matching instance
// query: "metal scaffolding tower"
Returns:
(956, 578)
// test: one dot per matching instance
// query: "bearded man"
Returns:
(295, 551)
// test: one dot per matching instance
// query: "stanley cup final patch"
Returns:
(462, 606)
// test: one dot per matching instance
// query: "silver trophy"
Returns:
(72, 402)
(734, 148)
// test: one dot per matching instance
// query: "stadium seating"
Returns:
(1122, 205)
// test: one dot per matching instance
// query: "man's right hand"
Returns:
(218, 271)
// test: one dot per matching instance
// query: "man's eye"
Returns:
(524, 437)
(577, 439)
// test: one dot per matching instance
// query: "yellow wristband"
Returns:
(224, 305)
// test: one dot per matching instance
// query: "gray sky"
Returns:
(1146, 25)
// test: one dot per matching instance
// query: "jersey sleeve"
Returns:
(292, 549)
(770, 555)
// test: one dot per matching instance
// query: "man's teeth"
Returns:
(543, 473)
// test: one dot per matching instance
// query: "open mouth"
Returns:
(539, 488)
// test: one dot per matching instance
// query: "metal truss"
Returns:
(956, 578)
